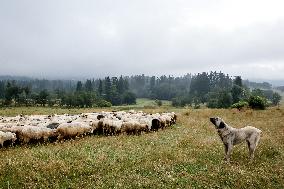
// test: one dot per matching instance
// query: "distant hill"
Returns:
(257, 85)
(280, 88)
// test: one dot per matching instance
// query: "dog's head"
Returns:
(218, 122)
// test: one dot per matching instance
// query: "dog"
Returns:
(232, 136)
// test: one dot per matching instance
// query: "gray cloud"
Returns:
(59, 39)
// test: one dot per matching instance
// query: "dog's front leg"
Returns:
(229, 151)
(226, 151)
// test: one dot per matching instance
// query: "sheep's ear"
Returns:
(222, 125)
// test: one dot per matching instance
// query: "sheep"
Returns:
(134, 127)
(97, 127)
(53, 125)
(165, 120)
(100, 117)
(37, 127)
(111, 126)
(147, 121)
(73, 129)
(36, 133)
(156, 124)
(172, 116)
(5, 136)
(14, 129)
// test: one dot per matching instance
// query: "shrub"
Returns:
(241, 104)
(103, 103)
(276, 97)
(181, 101)
(128, 98)
(257, 102)
(158, 102)
(219, 99)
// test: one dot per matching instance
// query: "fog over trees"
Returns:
(214, 89)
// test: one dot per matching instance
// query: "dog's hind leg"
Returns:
(257, 138)
(251, 146)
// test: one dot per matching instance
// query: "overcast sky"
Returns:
(95, 38)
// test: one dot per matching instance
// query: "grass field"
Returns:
(187, 155)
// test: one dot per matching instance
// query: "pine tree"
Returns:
(79, 86)
(100, 89)
(107, 89)
(88, 85)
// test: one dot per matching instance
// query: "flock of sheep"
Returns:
(26, 129)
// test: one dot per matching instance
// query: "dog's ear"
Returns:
(222, 125)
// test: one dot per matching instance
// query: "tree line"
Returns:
(215, 89)
(91, 93)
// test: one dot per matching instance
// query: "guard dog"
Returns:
(232, 136)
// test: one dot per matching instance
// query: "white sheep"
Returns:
(36, 133)
(5, 136)
(73, 129)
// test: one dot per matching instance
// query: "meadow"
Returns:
(186, 155)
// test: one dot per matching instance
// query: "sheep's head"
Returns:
(14, 137)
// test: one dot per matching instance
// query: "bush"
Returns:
(241, 104)
(103, 103)
(219, 99)
(128, 98)
(276, 97)
(257, 102)
(181, 101)
(158, 102)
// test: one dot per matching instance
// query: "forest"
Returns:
(214, 89)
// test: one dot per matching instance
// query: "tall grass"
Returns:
(187, 155)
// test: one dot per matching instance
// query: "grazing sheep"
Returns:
(134, 127)
(5, 136)
(29, 133)
(48, 127)
(156, 124)
(53, 125)
(97, 127)
(100, 117)
(67, 130)
(111, 127)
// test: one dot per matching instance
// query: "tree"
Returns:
(88, 85)
(237, 89)
(276, 97)
(114, 96)
(12, 92)
(238, 81)
(2, 89)
(100, 89)
(107, 89)
(42, 97)
(237, 93)
(200, 86)
(120, 85)
(152, 83)
(79, 86)
(219, 99)
(128, 98)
